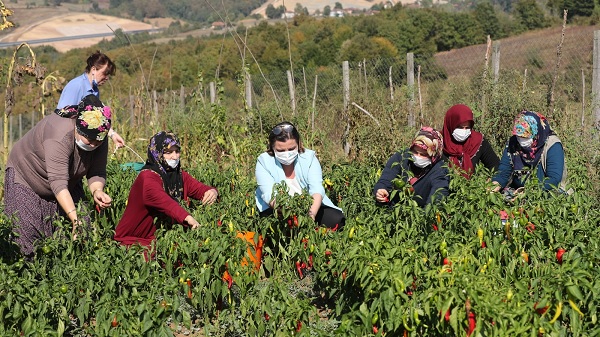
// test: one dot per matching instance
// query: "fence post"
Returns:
(182, 98)
(596, 80)
(292, 92)
(248, 91)
(391, 84)
(410, 79)
(213, 92)
(346, 88)
(496, 60)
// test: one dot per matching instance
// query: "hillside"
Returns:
(313, 5)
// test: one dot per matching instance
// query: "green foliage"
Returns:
(530, 14)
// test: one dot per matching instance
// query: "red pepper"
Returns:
(472, 323)
(435, 227)
(219, 223)
(227, 278)
(267, 317)
(305, 242)
(114, 322)
(447, 315)
(299, 269)
(559, 255)
(290, 224)
(310, 261)
(375, 330)
(335, 228)
(298, 326)
(98, 208)
(296, 220)
(189, 283)
(530, 227)
(386, 199)
(483, 245)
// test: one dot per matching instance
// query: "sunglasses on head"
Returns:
(280, 128)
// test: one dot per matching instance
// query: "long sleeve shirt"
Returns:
(429, 188)
(47, 160)
(148, 200)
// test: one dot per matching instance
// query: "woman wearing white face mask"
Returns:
(157, 191)
(45, 168)
(533, 149)
(286, 160)
(464, 147)
(421, 167)
(98, 70)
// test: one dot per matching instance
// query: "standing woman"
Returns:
(420, 167)
(45, 168)
(533, 149)
(157, 192)
(464, 147)
(98, 70)
(286, 160)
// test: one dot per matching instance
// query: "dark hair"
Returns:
(99, 60)
(283, 135)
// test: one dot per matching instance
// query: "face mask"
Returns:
(421, 162)
(85, 147)
(460, 135)
(286, 157)
(172, 162)
(525, 142)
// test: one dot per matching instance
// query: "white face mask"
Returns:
(85, 147)
(525, 142)
(286, 157)
(172, 162)
(421, 162)
(460, 135)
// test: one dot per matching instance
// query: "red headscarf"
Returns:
(456, 151)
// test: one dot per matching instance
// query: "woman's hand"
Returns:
(382, 195)
(102, 199)
(496, 186)
(312, 212)
(117, 139)
(191, 221)
(210, 197)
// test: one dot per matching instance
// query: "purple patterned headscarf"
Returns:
(172, 178)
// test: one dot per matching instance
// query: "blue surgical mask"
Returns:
(85, 147)
(173, 163)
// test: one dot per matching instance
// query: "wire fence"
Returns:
(543, 71)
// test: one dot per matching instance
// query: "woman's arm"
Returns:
(488, 157)
(504, 170)
(440, 181)
(197, 190)
(265, 181)
(392, 169)
(156, 198)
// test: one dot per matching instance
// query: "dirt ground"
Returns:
(52, 22)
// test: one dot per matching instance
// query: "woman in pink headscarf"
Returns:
(464, 147)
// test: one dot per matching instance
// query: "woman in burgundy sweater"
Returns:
(157, 192)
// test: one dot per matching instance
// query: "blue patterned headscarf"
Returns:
(172, 178)
(529, 124)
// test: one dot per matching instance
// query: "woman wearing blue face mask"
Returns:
(45, 167)
(286, 160)
(533, 149)
(98, 70)
(420, 168)
(157, 192)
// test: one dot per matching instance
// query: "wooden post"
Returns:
(485, 78)
(366, 80)
(391, 84)
(131, 111)
(596, 80)
(182, 97)
(496, 61)
(346, 87)
(213, 92)
(410, 79)
(248, 91)
(314, 102)
(420, 96)
(292, 90)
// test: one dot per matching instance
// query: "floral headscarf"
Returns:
(430, 140)
(172, 178)
(529, 124)
(92, 118)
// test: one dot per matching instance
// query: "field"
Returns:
(474, 265)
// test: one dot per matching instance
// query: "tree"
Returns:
(530, 14)
(338, 6)
(326, 11)
(486, 16)
(300, 10)
(274, 13)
